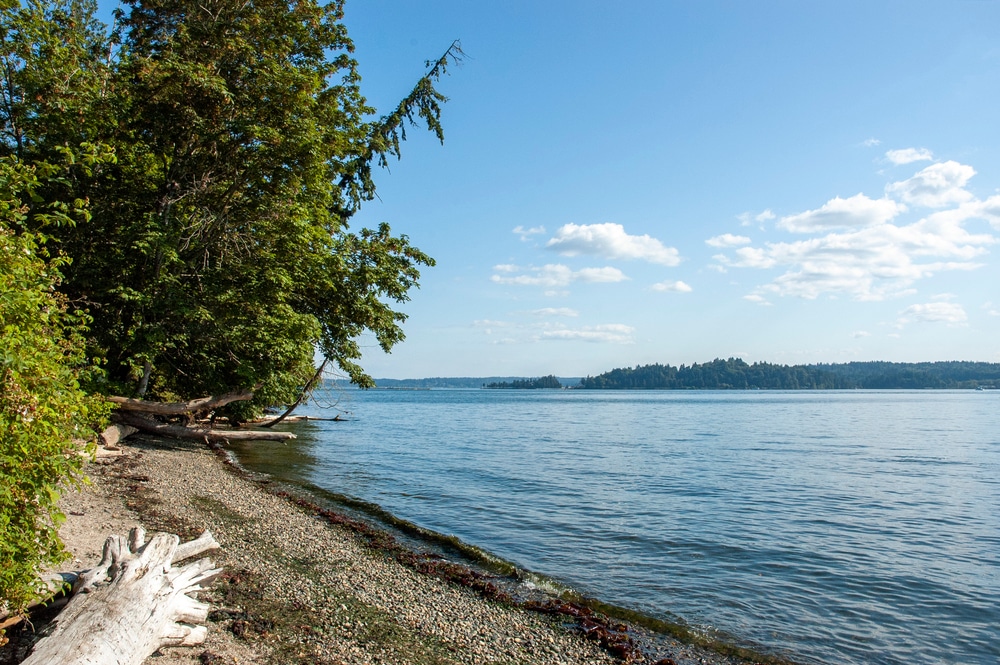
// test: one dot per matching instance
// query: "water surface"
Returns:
(830, 527)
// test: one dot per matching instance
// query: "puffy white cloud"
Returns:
(869, 143)
(936, 186)
(934, 312)
(909, 155)
(612, 242)
(870, 264)
(672, 287)
(614, 333)
(857, 211)
(757, 298)
(554, 275)
(556, 311)
(727, 240)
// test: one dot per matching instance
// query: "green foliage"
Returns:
(716, 375)
(736, 374)
(44, 415)
(219, 255)
(549, 381)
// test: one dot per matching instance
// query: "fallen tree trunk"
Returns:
(115, 432)
(200, 405)
(302, 395)
(133, 603)
(214, 435)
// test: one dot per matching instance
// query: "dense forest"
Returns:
(176, 192)
(735, 374)
(549, 381)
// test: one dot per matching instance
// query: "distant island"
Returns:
(735, 374)
(549, 381)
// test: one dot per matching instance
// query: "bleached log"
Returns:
(115, 433)
(200, 405)
(71, 580)
(133, 603)
(216, 435)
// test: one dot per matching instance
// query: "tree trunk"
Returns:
(302, 396)
(202, 404)
(131, 604)
(215, 435)
(114, 433)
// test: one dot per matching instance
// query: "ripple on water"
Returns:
(852, 527)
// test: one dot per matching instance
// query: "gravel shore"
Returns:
(300, 589)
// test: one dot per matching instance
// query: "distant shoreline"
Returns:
(735, 374)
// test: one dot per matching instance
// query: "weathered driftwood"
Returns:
(58, 583)
(115, 432)
(200, 405)
(133, 603)
(200, 434)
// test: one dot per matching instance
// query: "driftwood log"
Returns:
(115, 432)
(138, 414)
(201, 434)
(200, 405)
(133, 603)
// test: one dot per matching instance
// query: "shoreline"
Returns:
(309, 585)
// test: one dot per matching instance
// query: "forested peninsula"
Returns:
(735, 374)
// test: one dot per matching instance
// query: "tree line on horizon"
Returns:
(549, 381)
(735, 374)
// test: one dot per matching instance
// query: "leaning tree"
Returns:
(218, 255)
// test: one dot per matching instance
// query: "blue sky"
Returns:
(673, 182)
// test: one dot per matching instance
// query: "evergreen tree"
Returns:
(219, 254)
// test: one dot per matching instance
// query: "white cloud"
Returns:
(614, 333)
(988, 210)
(872, 142)
(934, 312)
(672, 287)
(526, 233)
(612, 242)
(757, 298)
(727, 240)
(909, 155)
(554, 275)
(856, 212)
(869, 264)
(556, 311)
(860, 333)
(936, 186)
(991, 309)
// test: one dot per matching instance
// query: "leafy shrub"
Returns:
(45, 417)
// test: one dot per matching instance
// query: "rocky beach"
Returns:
(302, 585)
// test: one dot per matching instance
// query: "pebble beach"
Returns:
(299, 587)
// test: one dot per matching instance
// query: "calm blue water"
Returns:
(830, 527)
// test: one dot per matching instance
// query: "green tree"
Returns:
(45, 417)
(219, 254)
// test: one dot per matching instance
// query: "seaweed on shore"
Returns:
(612, 627)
